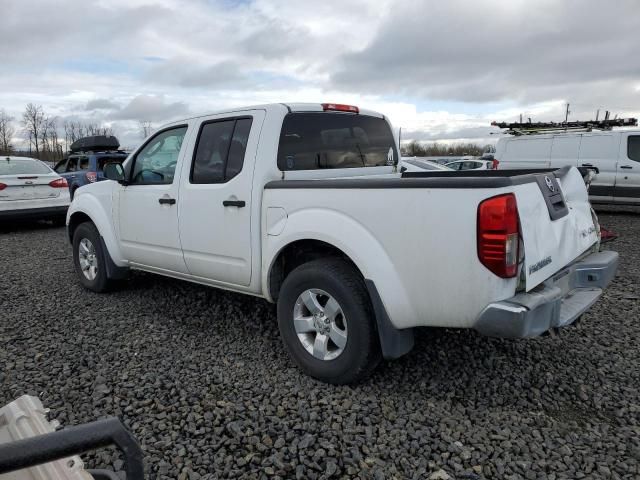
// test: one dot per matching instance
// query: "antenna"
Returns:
(566, 116)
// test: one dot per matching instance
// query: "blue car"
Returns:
(87, 159)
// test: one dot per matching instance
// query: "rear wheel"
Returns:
(89, 258)
(326, 321)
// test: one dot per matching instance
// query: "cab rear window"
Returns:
(319, 140)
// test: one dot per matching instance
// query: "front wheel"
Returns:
(89, 258)
(326, 321)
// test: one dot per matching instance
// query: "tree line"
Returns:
(435, 149)
(46, 137)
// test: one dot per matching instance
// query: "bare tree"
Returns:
(145, 128)
(435, 149)
(33, 120)
(51, 147)
(7, 132)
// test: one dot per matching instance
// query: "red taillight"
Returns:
(339, 107)
(495, 164)
(91, 176)
(59, 183)
(2, 186)
(498, 237)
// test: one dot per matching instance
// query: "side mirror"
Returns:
(114, 171)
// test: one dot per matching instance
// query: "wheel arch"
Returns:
(296, 253)
(87, 208)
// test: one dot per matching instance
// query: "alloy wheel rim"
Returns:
(320, 324)
(87, 259)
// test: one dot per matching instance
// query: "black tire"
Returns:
(361, 354)
(101, 283)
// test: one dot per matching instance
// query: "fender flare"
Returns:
(91, 207)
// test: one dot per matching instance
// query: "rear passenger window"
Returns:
(633, 148)
(220, 149)
(72, 165)
(315, 140)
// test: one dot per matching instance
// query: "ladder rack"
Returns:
(537, 128)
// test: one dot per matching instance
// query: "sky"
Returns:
(441, 70)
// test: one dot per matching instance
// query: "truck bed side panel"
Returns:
(417, 244)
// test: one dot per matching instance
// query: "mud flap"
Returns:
(394, 343)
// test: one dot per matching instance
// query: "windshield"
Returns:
(23, 167)
(315, 140)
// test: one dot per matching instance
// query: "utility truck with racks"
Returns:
(302, 204)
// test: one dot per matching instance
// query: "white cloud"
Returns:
(438, 69)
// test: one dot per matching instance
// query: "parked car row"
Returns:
(415, 164)
(31, 189)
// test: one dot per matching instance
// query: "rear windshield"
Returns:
(315, 140)
(20, 167)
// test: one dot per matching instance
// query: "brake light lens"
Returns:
(59, 183)
(495, 164)
(91, 176)
(498, 236)
(2, 186)
(340, 107)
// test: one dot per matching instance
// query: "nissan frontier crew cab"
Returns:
(301, 204)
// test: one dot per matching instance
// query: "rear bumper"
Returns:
(558, 302)
(33, 213)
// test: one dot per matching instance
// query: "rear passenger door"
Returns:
(216, 198)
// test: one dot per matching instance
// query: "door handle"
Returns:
(234, 203)
(628, 167)
(167, 201)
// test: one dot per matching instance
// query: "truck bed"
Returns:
(422, 231)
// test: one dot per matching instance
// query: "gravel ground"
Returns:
(202, 379)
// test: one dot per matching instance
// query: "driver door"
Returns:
(148, 210)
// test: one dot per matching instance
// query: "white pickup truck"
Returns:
(301, 204)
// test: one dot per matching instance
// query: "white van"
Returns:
(616, 153)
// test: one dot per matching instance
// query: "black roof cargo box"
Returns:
(95, 143)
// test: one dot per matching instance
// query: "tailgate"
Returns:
(556, 221)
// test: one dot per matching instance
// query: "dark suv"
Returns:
(87, 159)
